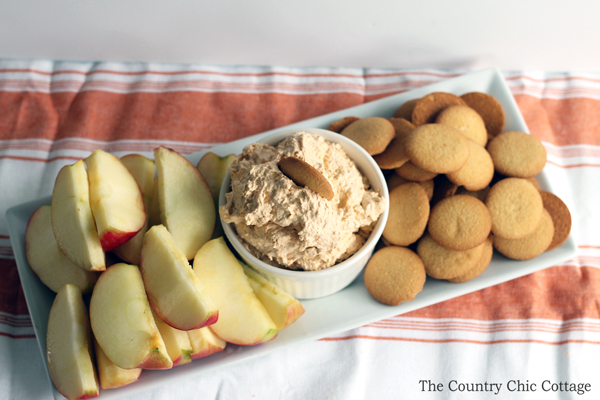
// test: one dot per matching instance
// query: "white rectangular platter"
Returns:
(345, 310)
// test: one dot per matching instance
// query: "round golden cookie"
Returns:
(305, 175)
(340, 124)
(489, 109)
(459, 222)
(394, 155)
(437, 148)
(478, 172)
(442, 263)
(466, 120)
(411, 172)
(561, 218)
(394, 275)
(515, 206)
(480, 266)
(408, 215)
(517, 154)
(428, 107)
(405, 110)
(372, 133)
(531, 245)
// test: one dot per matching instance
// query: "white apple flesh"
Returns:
(115, 198)
(204, 342)
(143, 170)
(69, 346)
(72, 219)
(47, 260)
(177, 342)
(122, 320)
(214, 168)
(112, 376)
(242, 318)
(283, 308)
(175, 293)
(186, 204)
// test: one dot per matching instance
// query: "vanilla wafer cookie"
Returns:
(517, 154)
(478, 171)
(442, 263)
(428, 107)
(394, 275)
(373, 134)
(459, 222)
(437, 148)
(466, 120)
(480, 266)
(530, 246)
(561, 218)
(489, 109)
(408, 215)
(305, 175)
(515, 206)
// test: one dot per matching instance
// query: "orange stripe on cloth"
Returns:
(177, 116)
(562, 122)
(486, 342)
(484, 327)
(557, 293)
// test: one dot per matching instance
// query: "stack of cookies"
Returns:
(460, 186)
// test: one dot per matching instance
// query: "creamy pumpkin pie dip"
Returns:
(294, 227)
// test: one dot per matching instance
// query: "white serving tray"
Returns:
(345, 310)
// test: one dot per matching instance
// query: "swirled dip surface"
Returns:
(294, 227)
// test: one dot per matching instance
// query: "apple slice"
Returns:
(213, 168)
(242, 318)
(69, 346)
(47, 260)
(122, 320)
(72, 219)
(175, 293)
(204, 342)
(177, 342)
(186, 205)
(283, 308)
(143, 170)
(115, 198)
(112, 376)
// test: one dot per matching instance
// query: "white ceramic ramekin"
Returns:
(314, 284)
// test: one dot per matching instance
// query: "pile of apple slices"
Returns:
(150, 309)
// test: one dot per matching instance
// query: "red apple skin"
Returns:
(110, 240)
(294, 312)
(210, 349)
(177, 361)
(154, 361)
(211, 319)
(89, 396)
